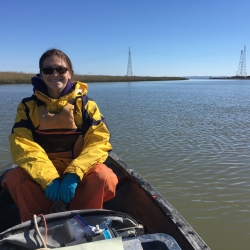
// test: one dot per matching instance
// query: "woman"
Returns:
(59, 142)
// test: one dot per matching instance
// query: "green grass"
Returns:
(20, 78)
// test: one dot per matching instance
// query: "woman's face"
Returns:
(55, 82)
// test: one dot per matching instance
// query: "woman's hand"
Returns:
(52, 190)
(68, 187)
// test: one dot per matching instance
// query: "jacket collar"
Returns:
(71, 91)
(39, 85)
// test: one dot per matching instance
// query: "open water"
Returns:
(189, 139)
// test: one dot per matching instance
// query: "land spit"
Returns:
(22, 78)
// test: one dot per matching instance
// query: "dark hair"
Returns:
(60, 54)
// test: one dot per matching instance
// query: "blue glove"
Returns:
(52, 191)
(68, 187)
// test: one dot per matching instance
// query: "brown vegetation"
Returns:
(14, 77)
(20, 77)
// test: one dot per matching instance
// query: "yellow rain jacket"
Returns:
(29, 155)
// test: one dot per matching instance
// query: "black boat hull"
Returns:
(136, 197)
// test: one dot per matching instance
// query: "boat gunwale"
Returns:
(189, 235)
(166, 208)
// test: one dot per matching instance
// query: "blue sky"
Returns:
(166, 37)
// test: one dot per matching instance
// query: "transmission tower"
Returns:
(242, 64)
(129, 68)
(239, 72)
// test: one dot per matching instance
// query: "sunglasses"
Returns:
(59, 70)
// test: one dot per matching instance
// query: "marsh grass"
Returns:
(21, 78)
(14, 77)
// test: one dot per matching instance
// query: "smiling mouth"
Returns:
(57, 80)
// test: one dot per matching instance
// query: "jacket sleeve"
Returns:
(25, 152)
(96, 141)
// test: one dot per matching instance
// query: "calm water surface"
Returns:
(189, 139)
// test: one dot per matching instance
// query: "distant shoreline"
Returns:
(231, 78)
(22, 78)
